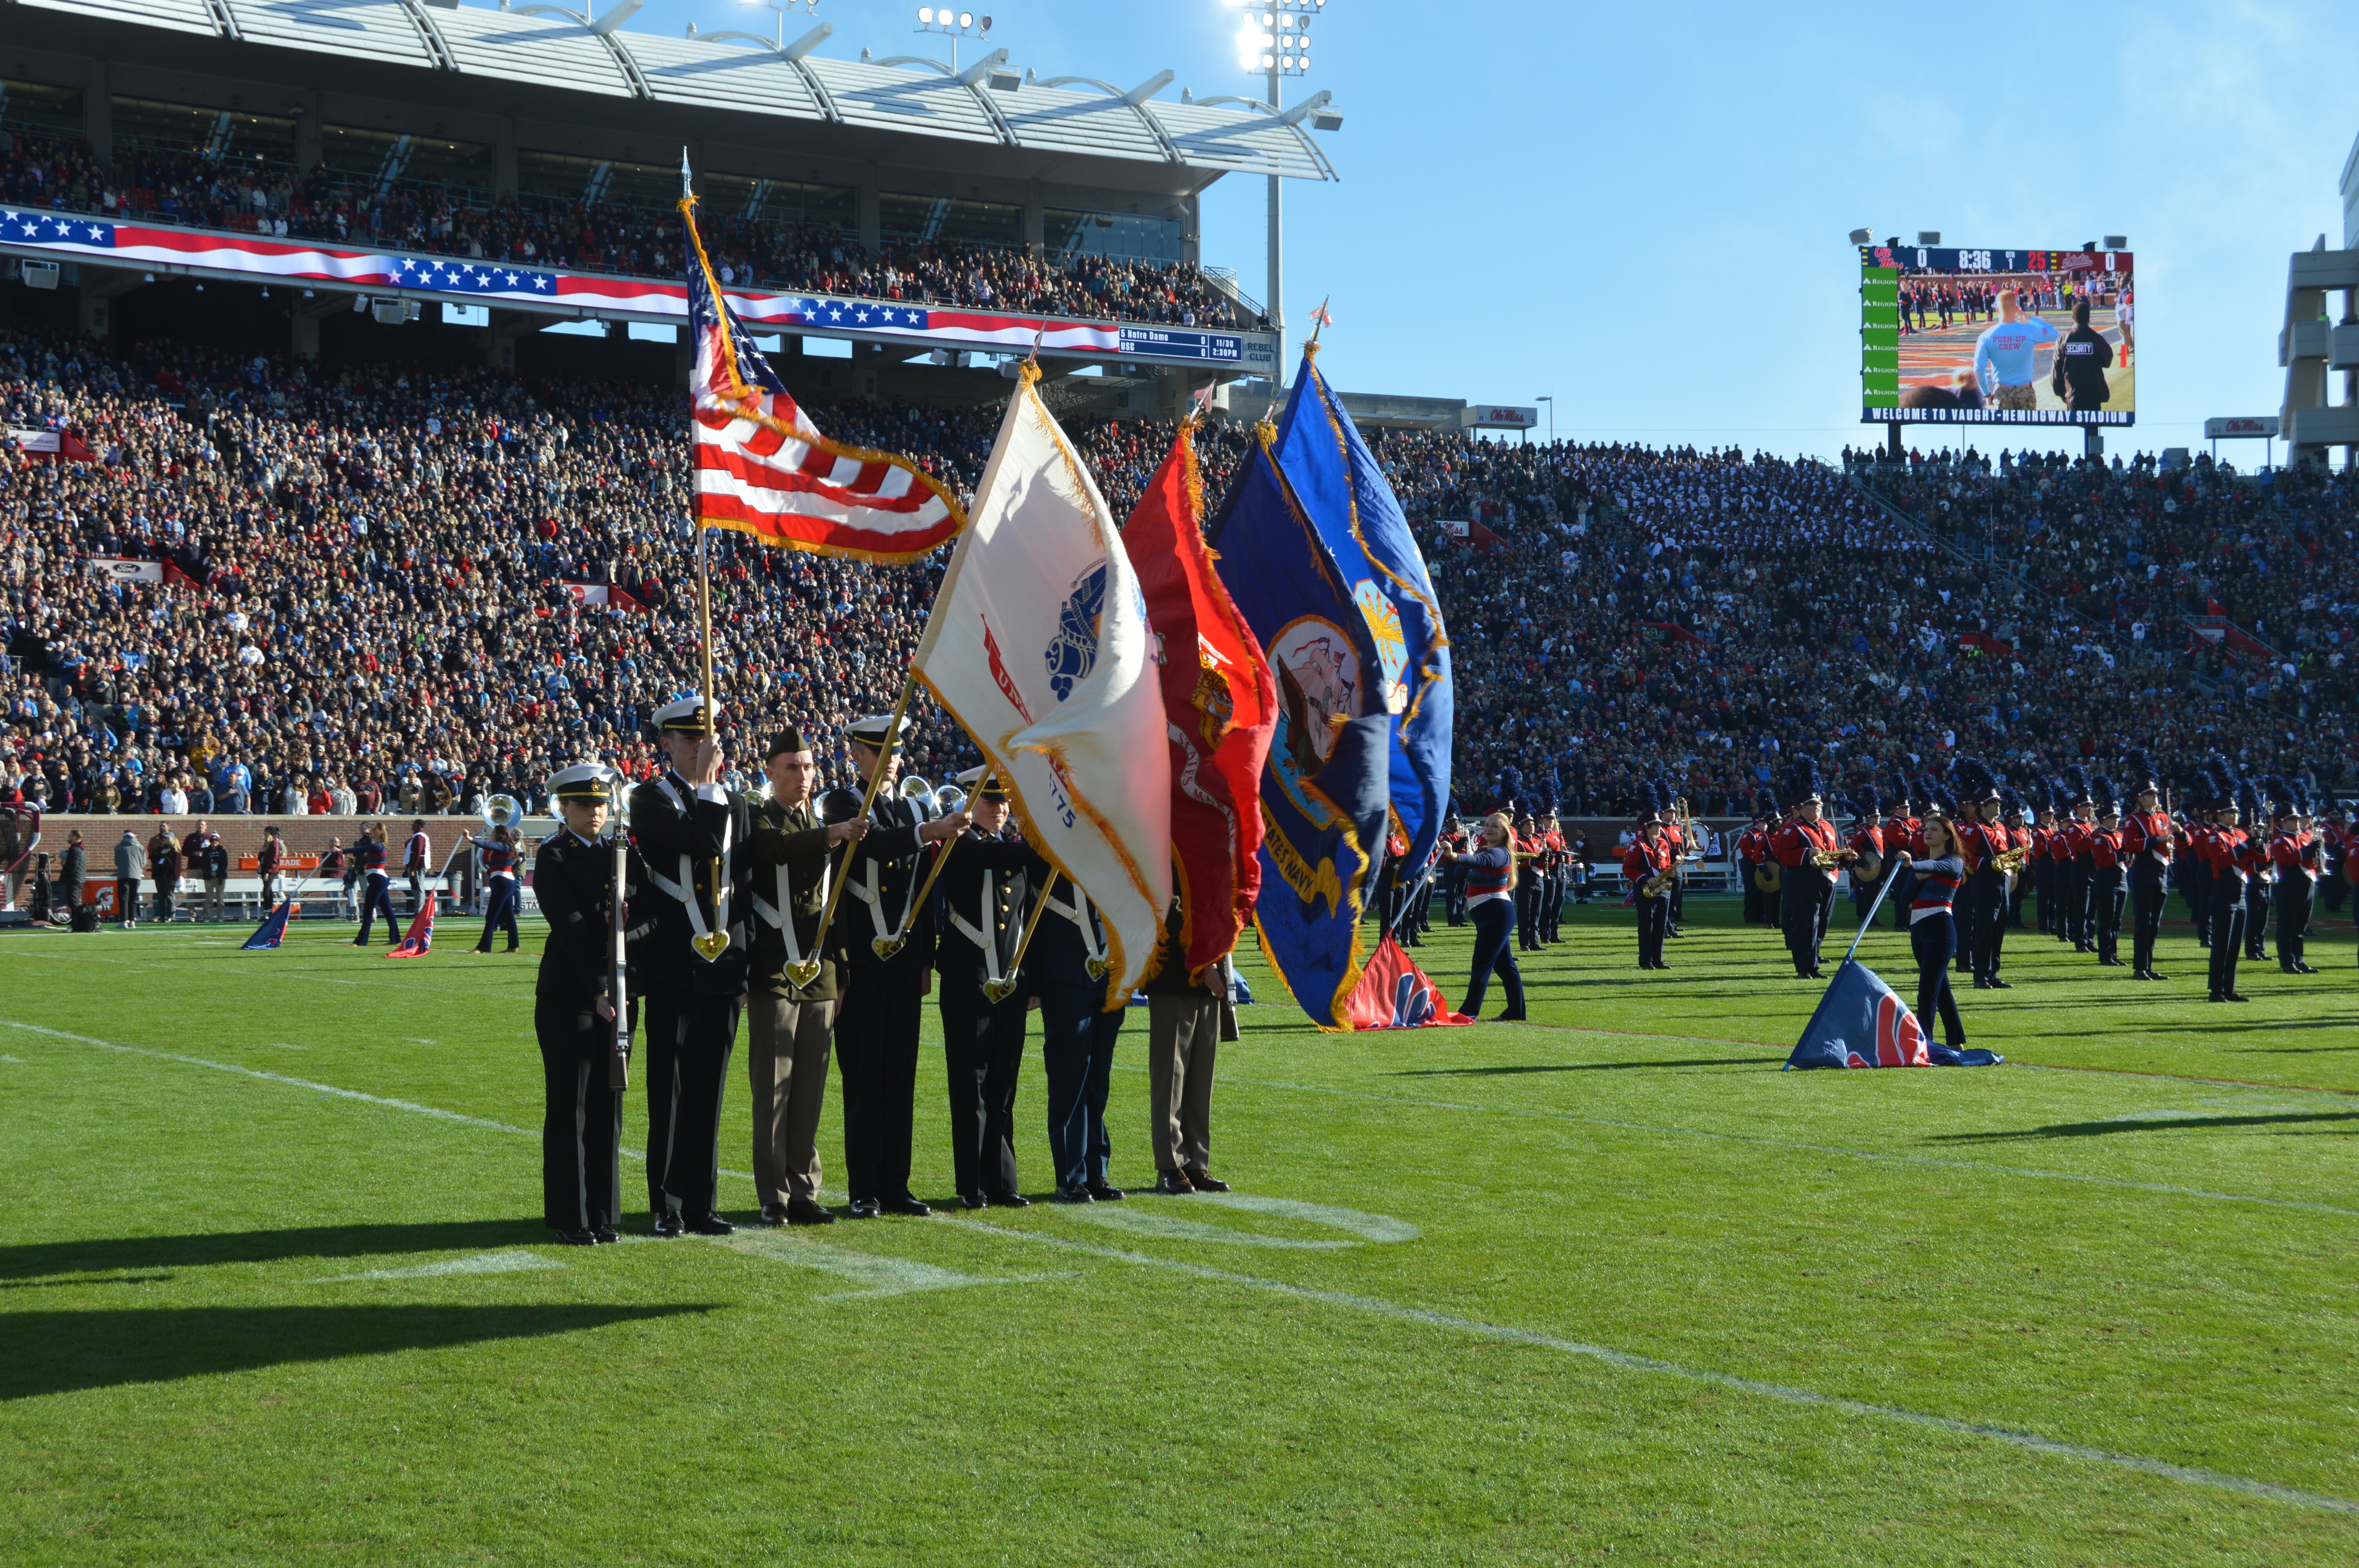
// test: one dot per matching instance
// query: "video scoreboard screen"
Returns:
(1952, 335)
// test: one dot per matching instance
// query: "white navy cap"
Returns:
(583, 781)
(980, 783)
(685, 717)
(871, 731)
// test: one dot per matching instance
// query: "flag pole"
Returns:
(867, 803)
(1023, 943)
(1883, 886)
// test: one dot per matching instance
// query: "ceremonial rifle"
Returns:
(618, 1064)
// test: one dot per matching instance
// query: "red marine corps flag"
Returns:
(762, 467)
(1220, 706)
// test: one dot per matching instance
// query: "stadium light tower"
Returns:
(953, 26)
(782, 8)
(1274, 41)
(1550, 401)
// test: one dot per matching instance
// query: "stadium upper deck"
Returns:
(476, 107)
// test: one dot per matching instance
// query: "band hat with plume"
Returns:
(2011, 803)
(1803, 784)
(2138, 771)
(2076, 780)
(2101, 789)
(1973, 781)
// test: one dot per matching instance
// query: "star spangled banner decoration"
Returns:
(763, 469)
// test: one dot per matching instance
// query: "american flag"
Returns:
(762, 468)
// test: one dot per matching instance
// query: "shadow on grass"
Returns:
(1588, 1068)
(59, 1352)
(106, 1254)
(2172, 1124)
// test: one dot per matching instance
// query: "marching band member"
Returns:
(2080, 859)
(1529, 877)
(573, 1012)
(1559, 877)
(1752, 850)
(986, 890)
(2106, 849)
(1490, 899)
(1978, 839)
(2336, 834)
(2149, 845)
(1898, 831)
(2019, 844)
(2044, 859)
(1670, 805)
(1651, 858)
(2195, 866)
(890, 975)
(1809, 854)
(692, 833)
(1866, 841)
(2257, 883)
(500, 857)
(2298, 856)
(793, 986)
(2226, 883)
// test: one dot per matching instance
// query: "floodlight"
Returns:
(2117, 242)
(1929, 236)
(926, 15)
(966, 19)
(1859, 236)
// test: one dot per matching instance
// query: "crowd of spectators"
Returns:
(371, 597)
(548, 230)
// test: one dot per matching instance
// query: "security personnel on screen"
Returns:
(573, 1010)
(886, 944)
(987, 888)
(693, 835)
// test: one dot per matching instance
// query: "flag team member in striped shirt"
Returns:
(500, 879)
(1490, 899)
(1932, 921)
(2149, 842)
(377, 887)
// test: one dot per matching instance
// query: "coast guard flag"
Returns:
(1861, 1024)
(1342, 488)
(1220, 705)
(272, 931)
(1038, 645)
(1323, 786)
(763, 469)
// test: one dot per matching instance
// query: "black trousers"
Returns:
(2294, 896)
(1528, 921)
(2227, 930)
(1077, 1043)
(582, 1124)
(1968, 913)
(1989, 889)
(2332, 885)
(2148, 891)
(1934, 940)
(1654, 919)
(690, 1038)
(1804, 905)
(378, 900)
(2256, 919)
(500, 914)
(2075, 879)
(984, 1043)
(2052, 902)
(1494, 950)
(2195, 887)
(2105, 910)
(876, 1054)
(1744, 870)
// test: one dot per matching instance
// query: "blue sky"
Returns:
(1642, 210)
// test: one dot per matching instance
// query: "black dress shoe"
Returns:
(1010, 1200)
(863, 1209)
(804, 1211)
(2000, 985)
(974, 1200)
(710, 1225)
(2215, 996)
(1172, 1184)
(1204, 1181)
(774, 1215)
(1514, 1017)
(1104, 1192)
(1981, 984)
(2156, 975)
(2238, 996)
(578, 1238)
(907, 1204)
(1071, 1194)
(668, 1225)
(606, 1235)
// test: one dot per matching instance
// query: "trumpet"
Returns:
(1828, 859)
(2011, 861)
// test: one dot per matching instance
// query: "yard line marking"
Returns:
(508, 1261)
(1930, 1159)
(18, 1060)
(2182, 1078)
(1630, 1362)
(1171, 1227)
(876, 1276)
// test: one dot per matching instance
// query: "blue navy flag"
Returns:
(1323, 785)
(1861, 1024)
(271, 932)
(1342, 488)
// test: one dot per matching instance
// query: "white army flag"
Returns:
(1039, 646)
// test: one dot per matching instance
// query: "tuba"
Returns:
(503, 811)
(949, 801)
(920, 793)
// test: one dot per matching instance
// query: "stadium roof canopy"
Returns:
(548, 63)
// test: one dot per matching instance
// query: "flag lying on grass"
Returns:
(1394, 993)
(420, 940)
(273, 929)
(1860, 1022)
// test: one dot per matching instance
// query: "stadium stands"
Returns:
(375, 578)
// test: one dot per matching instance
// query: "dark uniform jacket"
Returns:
(2081, 359)
(667, 821)
(795, 839)
(73, 869)
(890, 856)
(575, 882)
(985, 889)
(1060, 954)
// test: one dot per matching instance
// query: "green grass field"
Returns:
(1606, 1286)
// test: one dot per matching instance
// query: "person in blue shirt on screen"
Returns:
(2006, 353)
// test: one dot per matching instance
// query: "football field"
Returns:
(1606, 1286)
